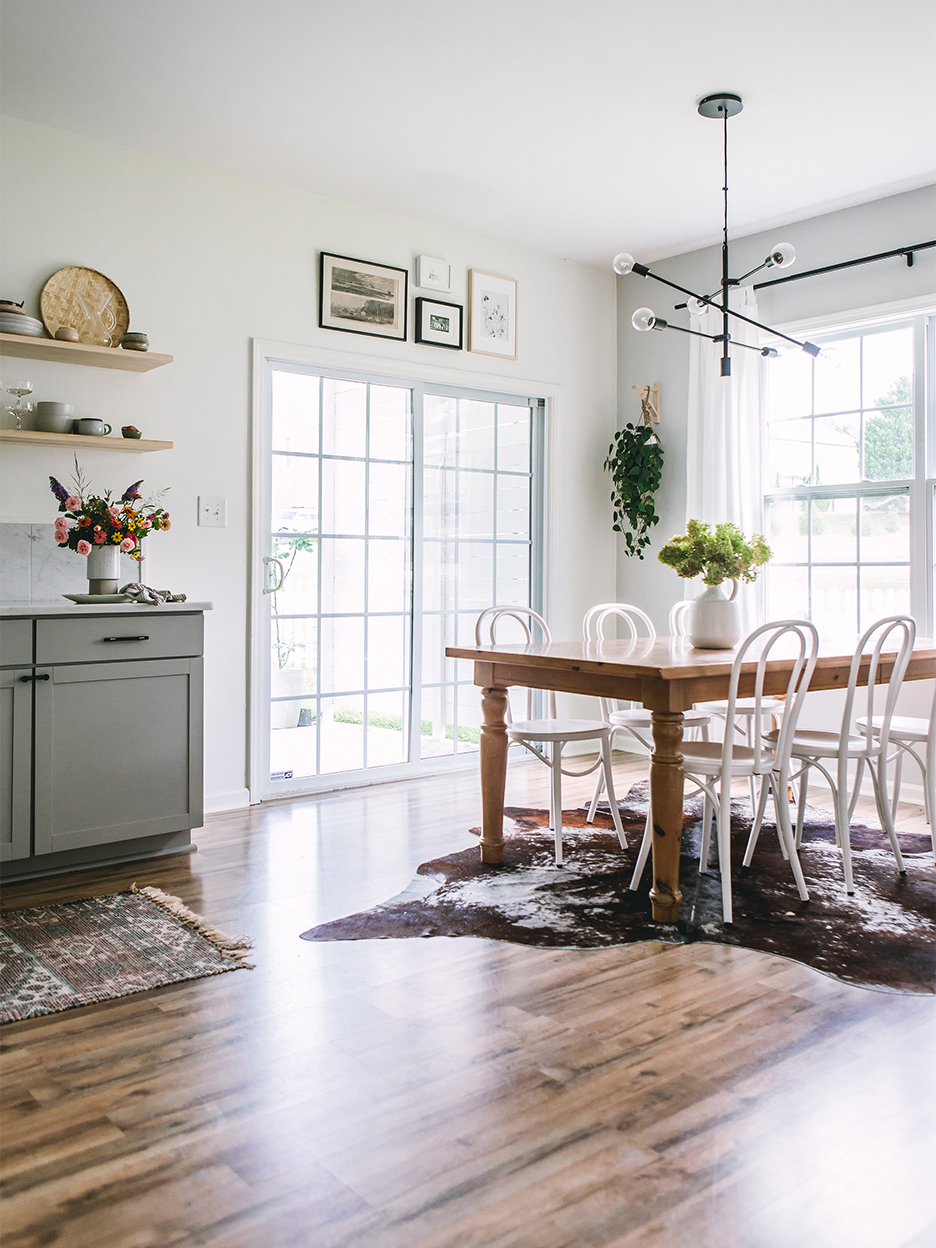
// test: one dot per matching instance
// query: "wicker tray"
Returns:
(87, 301)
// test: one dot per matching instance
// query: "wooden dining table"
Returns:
(667, 676)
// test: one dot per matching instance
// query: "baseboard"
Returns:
(216, 802)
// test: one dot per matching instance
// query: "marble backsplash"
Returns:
(33, 569)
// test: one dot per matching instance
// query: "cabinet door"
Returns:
(15, 762)
(118, 752)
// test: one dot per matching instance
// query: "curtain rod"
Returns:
(848, 264)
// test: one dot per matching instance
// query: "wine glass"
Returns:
(20, 409)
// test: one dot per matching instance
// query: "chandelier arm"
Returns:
(725, 281)
(697, 333)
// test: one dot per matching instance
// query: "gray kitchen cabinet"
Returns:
(100, 737)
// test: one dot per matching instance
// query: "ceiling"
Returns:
(565, 125)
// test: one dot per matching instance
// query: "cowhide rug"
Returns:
(882, 937)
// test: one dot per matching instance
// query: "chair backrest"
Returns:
(805, 639)
(678, 625)
(593, 629)
(903, 629)
(486, 635)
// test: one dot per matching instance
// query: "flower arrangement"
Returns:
(719, 554)
(88, 520)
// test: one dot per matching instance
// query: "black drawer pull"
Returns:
(141, 638)
(42, 676)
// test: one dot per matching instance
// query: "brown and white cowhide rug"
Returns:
(882, 937)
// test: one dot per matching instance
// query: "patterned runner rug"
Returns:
(57, 957)
(882, 937)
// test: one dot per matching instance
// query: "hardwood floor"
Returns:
(447, 1093)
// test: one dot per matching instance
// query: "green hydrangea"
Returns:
(716, 554)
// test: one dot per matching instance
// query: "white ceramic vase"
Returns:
(103, 569)
(714, 622)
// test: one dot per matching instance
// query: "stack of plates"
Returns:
(17, 323)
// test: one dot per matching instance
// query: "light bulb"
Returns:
(782, 255)
(830, 357)
(696, 306)
(643, 319)
(623, 263)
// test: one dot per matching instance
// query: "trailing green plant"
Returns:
(716, 554)
(635, 461)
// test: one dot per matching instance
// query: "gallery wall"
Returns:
(209, 262)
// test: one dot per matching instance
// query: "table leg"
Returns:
(666, 801)
(493, 773)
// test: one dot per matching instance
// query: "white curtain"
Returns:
(723, 452)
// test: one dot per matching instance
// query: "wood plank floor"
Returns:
(447, 1093)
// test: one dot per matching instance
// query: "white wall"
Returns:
(209, 261)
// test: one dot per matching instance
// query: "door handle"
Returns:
(41, 676)
(267, 560)
(141, 637)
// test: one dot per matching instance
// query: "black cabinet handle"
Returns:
(141, 638)
(42, 676)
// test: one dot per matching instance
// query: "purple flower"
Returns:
(58, 490)
(131, 492)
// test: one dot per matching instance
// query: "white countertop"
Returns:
(29, 610)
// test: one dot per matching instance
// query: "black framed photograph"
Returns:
(362, 298)
(439, 324)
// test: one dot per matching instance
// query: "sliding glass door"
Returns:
(396, 513)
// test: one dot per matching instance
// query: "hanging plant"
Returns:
(635, 461)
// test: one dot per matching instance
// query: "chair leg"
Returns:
(842, 838)
(766, 786)
(609, 785)
(801, 806)
(880, 793)
(785, 833)
(723, 815)
(645, 846)
(555, 804)
(596, 796)
(898, 773)
(704, 848)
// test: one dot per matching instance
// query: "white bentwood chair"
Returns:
(866, 749)
(631, 718)
(706, 762)
(907, 732)
(551, 732)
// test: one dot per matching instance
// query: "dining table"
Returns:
(667, 676)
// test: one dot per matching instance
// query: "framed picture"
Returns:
(492, 323)
(439, 324)
(362, 298)
(433, 274)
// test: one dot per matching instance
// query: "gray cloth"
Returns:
(150, 597)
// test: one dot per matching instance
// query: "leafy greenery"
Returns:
(347, 715)
(286, 547)
(718, 554)
(889, 436)
(635, 461)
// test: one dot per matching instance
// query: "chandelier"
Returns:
(720, 107)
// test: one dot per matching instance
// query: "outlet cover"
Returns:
(212, 511)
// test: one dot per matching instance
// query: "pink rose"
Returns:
(146, 524)
(60, 527)
(72, 503)
(83, 548)
(114, 511)
(126, 544)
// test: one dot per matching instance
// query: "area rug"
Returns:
(79, 952)
(882, 937)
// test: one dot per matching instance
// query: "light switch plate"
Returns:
(212, 511)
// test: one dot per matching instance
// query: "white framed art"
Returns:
(433, 274)
(492, 321)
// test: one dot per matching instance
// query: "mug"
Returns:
(97, 428)
(54, 417)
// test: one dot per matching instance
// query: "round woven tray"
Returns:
(87, 301)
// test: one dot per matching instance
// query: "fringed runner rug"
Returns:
(79, 952)
(882, 937)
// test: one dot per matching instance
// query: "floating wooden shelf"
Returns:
(81, 353)
(75, 441)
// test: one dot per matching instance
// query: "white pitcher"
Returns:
(714, 622)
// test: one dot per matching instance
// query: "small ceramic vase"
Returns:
(65, 333)
(714, 622)
(103, 569)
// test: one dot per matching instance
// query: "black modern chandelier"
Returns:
(720, 107)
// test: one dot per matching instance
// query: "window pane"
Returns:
(475, 434)
(439, 502)
(513, 438)
(342, 655)
(438, 632)
(293, 657)
(388, 652)
(885, 528)
(513, 506)
(788, 529)
(835, 601)
(388, 575)
(888, 444)
(475, 575)
(838, 377)
(299, 592)
(475, 504)
(344, 417)
(440, 567)
(386, 729)
(437, 719)
(389, 422)
(342, 496)
(888, 368)
(439, 430)
(341, 729)
(293, 737)
(513, 575)
(343, 575)
(789, 386)
(468, 710)
(787, 593)
(884, 591)
(295, 494)
(388, 503)
(790, 454)
(295, 412)
(836, 450)
(834, 530)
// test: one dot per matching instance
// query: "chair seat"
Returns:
(809, 744)
(558, 729)
(743, 706)
(644, 719)
(903, 727)
(705, 758)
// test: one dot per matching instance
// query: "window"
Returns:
(397, 512)
(849, 491)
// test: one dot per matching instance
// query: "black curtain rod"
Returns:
(848, 264)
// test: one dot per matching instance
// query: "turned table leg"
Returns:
(666, 801)
(493, 773)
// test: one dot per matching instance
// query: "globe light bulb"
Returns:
(830, 357)
(623, 263)
(782, 255)
(696, 306)
(643, 319)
